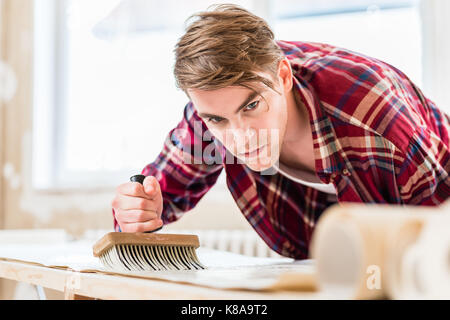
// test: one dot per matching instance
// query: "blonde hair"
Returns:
(223, 47)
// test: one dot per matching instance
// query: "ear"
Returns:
(285, 75)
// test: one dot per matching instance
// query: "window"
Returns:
(104, 109)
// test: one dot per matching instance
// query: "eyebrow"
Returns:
(252, 95)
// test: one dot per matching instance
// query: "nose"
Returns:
(241, 134)
(244, 139)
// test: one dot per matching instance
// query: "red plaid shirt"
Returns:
(376, 137)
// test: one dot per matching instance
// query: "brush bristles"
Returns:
(148, 258)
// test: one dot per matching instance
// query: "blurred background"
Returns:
(87, 93)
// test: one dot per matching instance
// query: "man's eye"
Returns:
(214, 120)
(251, 106)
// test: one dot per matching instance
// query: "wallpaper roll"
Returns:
(422, 270)
(370, 251)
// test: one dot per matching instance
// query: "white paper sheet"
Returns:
(225, 270)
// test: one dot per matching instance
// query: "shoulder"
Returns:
(191, 121)
(359, 90)
(300, 52)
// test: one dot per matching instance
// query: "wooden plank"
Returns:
(45, 277)
(78, 285)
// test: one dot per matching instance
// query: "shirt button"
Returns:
(346, 172)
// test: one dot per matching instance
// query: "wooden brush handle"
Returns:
(140, 238)
(140, 178)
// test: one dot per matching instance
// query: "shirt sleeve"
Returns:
(423, 178)
(186, 168)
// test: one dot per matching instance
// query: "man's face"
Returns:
(250, 125)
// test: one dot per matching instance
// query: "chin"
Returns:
(264, 161)
(260, 164)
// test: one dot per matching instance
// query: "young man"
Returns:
(296, 126)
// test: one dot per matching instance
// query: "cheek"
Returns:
(273, 123)
(276, 124)
(224, 138)
(277, 110)
(217, 134)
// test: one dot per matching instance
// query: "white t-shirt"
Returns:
(305, 178)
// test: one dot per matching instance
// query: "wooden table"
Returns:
(81, 285)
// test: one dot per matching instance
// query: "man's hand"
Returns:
(138, 206)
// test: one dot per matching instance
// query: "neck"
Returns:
(297, 149)
(297, 120)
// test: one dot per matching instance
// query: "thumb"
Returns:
(151, 186)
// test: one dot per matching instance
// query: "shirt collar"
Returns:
(326, 152)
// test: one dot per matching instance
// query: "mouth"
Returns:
(254, 153)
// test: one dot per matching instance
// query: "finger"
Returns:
(142, 226)
(131, 216)
(124, 202)
(134, 189)
(151, 187)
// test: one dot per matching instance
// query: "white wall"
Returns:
(436, 51)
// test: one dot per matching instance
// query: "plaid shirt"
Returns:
(376, 137)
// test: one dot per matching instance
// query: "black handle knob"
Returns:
(140, 178)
